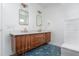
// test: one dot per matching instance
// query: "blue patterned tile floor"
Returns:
(45, 50)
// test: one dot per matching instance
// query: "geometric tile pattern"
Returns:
(44, 50)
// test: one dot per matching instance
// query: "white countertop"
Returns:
(23, 33)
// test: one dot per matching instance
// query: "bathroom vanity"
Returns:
(22, 42)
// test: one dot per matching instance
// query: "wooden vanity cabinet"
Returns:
(27, 43)
(23, 43)
(18, 44)
(37, 40)
(48, 37)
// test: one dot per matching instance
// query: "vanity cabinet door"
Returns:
(37, 40)
(34, 41)
(47, 37)
(27, 43)
(20, 44)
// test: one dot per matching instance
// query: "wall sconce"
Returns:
(39, 12)
(24, 5)
(48, 22)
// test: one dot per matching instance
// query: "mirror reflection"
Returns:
(24, 17)
(39, 20)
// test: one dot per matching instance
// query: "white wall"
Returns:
(33, 8)
(72, 23)
(59, 15)
(0, 16)
(11, 22)
(71, 10)
(0, 29)
(54, 14)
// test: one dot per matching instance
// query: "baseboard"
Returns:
(56, 45)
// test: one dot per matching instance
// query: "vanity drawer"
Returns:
(37, 39)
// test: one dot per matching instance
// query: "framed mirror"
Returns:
(38, 20)
(23, 17)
